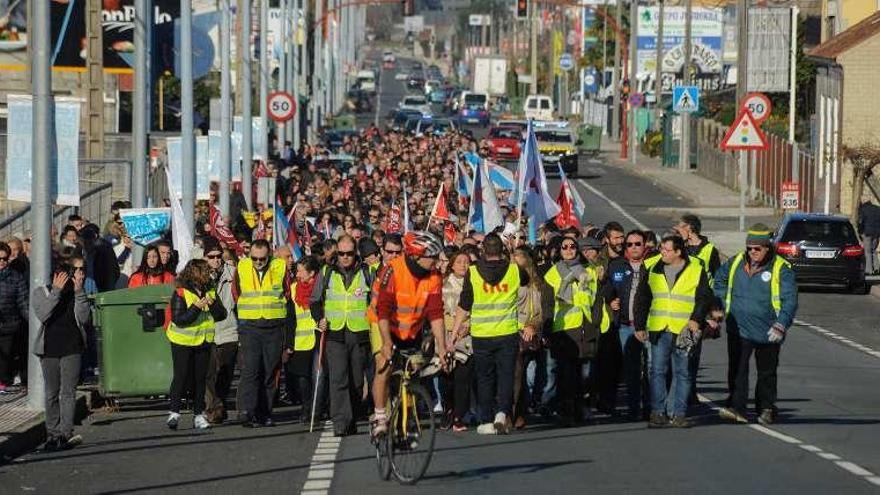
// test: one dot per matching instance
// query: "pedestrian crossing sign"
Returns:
(744, 134)
(685, 99)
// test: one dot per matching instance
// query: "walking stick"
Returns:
(317, 380)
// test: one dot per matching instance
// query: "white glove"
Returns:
(776, 334)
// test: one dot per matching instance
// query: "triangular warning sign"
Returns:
(686, 103)
(744, 134)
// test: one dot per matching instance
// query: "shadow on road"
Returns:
(486, 473)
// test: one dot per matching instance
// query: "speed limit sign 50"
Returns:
(758, 104)
(281, 106)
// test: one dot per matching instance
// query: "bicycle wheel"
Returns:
(383, 462)
(411, 432)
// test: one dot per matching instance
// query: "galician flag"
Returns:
(485, 214)
(540, 206)
(580, 208)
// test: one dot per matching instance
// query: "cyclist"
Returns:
(408, 294)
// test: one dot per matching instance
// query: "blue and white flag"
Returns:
(214, 155)
(174, 170)
(463, 183)
(580, 208)
(146, 225)
(181, 237)
(285, 234)
(539, 205)
(203, 169)
(501, 177)
(406, 221)
(484, 215)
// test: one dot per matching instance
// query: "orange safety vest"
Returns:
(411, 294)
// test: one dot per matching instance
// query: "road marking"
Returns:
(848, 466)
(839, 338)
(322, 465)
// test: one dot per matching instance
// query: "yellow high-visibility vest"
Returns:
(304, 339)
(570, 316)
(775, 300)
(200, 331)
(671, 308)
(493, 313)
(347, 307)
(261, 299)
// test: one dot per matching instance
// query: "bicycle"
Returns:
(407, 447)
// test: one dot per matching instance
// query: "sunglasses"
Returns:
(633, 244)
(4, 258)
(392, 251)
(345, 253)
(755, 248)
(213, 256)
(569, 247)
(259, 260)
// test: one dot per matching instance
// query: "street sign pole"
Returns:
(42, 185)
(225, 108)
(742, 81)
(294, 87)
(187, 138)
(139, 141)
(633, 67)
(658, 75)
(263, 138)
(684, 156)
(247, 135)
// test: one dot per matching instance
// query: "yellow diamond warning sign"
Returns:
(744, 134)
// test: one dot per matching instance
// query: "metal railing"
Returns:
(94, 206)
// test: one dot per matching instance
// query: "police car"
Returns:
(558, 146)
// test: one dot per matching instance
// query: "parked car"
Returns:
(504, 142)
(367, 80)
(415, 102)
(401, 116)
(557, 146)
(435, 126)
(474, 109)
(388, 60)
(822, 250)
(416, 82)
(538, 107)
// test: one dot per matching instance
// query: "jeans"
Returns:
(548, 393)
(634, 370)
(61, 376)
(766, 362)
(189, 363)
(494, 362)
(456, 389)
(663, 355)
(261, 352)
(870, 245)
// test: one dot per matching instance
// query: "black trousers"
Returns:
(457, 389)
(734, 349)
(571, 384)
(220, 375)
(766, 362)
(7, 357)
(494, 363)
(189, 362)
(608, 365)
(346, 363)
(261, 352)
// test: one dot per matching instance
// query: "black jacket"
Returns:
(183, 315)
(619, 284)
(869, 219)
(13, 300)
(702, 301)
(714, 258)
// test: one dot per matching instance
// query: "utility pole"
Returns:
(742, 81)
(316, 102)
(263, 138)
(291, 62)
(533, 44)
(684, 156)
(615, 77)
(95, 76)
(247, 135)
(225, 107)
(282, 67)
(633, 75)
(139, 141)
(658, 70)
(297, 65)
(792, 102)
(42, 183)
(187, 138)
(303, 67)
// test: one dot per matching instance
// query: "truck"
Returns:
(490, 75)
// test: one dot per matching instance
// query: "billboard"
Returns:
(706, 39)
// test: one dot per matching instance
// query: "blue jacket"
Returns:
(751, 313)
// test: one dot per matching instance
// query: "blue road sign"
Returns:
(566, 62)
(591, 80)
(685, 99)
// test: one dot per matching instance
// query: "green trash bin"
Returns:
(344, 121)
(589, 138)
(134, 353)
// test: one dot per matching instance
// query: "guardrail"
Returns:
(94, 206)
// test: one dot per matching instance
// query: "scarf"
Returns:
(570, 271)
(304, 293)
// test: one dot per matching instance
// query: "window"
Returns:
(533, 103)
(819, 231)
(545, 104)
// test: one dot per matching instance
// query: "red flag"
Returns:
(346, 188)
(449, 232)
(393, 223)
(440, 211)
(566, 217)
(221, 232)
(260, 231)
(261, 170)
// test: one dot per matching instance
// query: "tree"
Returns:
(863, 157)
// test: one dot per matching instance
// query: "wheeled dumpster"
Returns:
(589, 139)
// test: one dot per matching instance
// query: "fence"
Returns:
(596, 113)
(94, 205)
(766, 170)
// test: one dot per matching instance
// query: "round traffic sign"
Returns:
(281, 106)
(589, 79)
(636, 99)
(566, 62)
(757, 104)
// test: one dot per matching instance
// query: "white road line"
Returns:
(848, 466)
(839, 338)
(320, 475)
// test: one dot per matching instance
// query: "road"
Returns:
(826, 441)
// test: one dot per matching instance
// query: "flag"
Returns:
(261, 170)
(221, 232)
(566, 217)
(580, 208)
(392, 221)
(307, 236)
(406, 225)
(440, 211)
(539, 205)
(485, 214)
(449, 232)
(501, 177)
(260, 230)
(181, 237)
(285, 231)
(463, 184)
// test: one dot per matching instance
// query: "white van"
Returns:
(538, 107)
(367, 81)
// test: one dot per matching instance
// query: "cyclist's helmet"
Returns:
(420, 243)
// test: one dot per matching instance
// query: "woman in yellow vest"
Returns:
(194, 308)
(301, 363)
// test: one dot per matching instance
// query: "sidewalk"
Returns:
(23, 429)
(716, 205)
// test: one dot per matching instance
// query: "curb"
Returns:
(31, 434)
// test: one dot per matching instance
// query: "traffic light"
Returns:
(522, 9)
(409, 7)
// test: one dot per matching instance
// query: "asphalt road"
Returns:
(826, 441)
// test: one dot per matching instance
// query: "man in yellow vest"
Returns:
(760, 296)
(339, 305)
(262, 291)
(671, 301)
(489, 298)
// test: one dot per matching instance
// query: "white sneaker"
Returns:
(200, 422)
(486, 429)
(438, 408)
(173, 419)
(501, 425)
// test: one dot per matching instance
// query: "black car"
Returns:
(416, 82)
(401, 117)
(822, 250)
